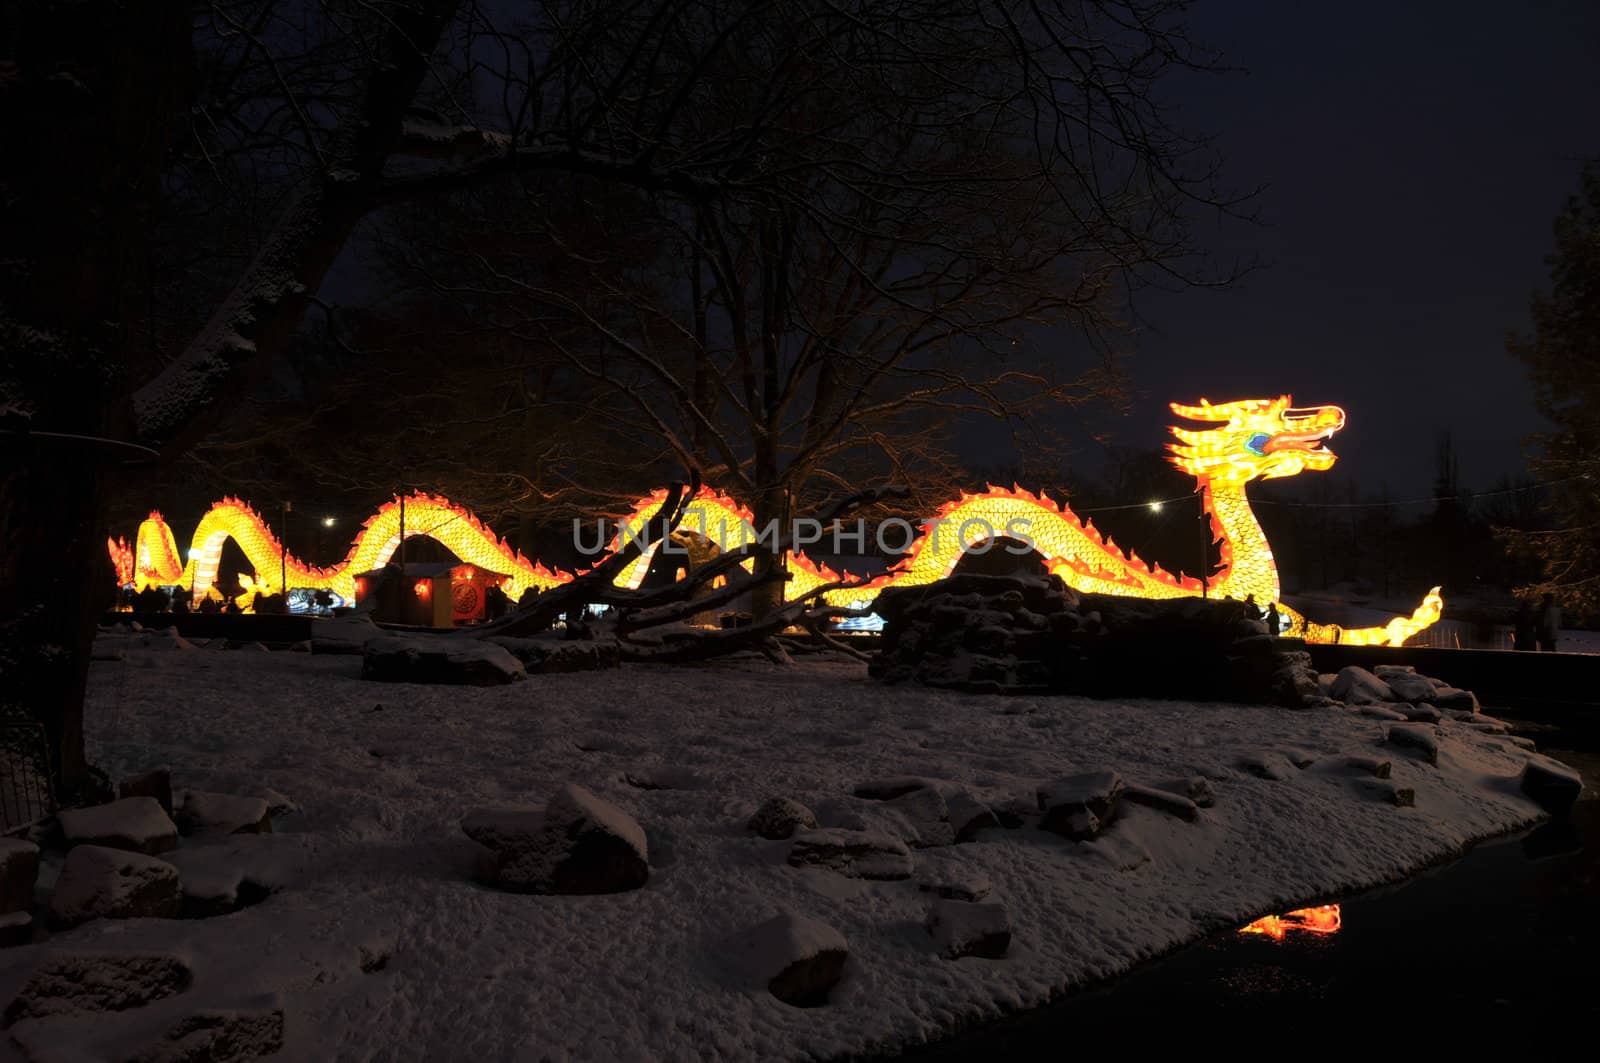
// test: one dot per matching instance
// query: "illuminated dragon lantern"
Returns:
(1252, 439)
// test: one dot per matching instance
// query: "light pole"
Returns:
(283, 556)
(1205, 541)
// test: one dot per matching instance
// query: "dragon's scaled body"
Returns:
(1249, 440)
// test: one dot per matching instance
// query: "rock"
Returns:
(1417, 738)
(165, 639)
(1077, 806)
(1266, 765)
(1325, 682)
(16, 928)
(966, 928)
(968, 816)
(1382, 789)
(277, 804)
(1553, 786)
(84, 984)
(889, 789)
(1383, 712)
(156, 783)
(1198, 787)
(440, 659)
(1355, 685)
(216, 1036)
(974, 886)
(303, 646)
(800, 959)
(780, 817)
(1162, 801)
(1421, 713)
(208, 813)
(215, 882)
(1451, 699)
(1481, 722)
(136, 824)
(97, 882)
(580, 844)
(19, 872)
(852, 853)
(1410, 687)
(1378, 769)
(927, 813)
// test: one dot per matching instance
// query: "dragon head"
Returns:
(1256, 439)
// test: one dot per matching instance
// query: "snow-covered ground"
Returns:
(380, 944)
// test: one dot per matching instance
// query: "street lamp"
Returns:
(328, 522)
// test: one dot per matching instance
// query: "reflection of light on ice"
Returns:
(1323, 919)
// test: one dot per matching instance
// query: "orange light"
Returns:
(423, 588)
(1323, 919)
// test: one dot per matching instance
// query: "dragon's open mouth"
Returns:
(1309, 429)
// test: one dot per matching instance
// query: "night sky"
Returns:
(1416, 158)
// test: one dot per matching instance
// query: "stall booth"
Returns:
(436, 594)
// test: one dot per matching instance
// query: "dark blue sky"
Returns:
(1415, 157)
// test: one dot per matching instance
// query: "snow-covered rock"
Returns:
(138, 824)
(1198, 789)
(579, 844)
(1552, 785)
(19, 871)
(1416, 738)
(156, 783)
(967, 815)
(1265, 764)
(165, 639)
(1355, 685)
(343, 634)
(1408, 686)
(853, 853)
(85, 984)
(1077, 806)
(780, 817)
(16, 928)
(231, 1035)
(554, 654)
(890, 788)
(416, 659)
(1384, 790)
(1162, 801)
(799, 959)
(101, 883)
(928, 815)
(1419, 713)
(1452, 699)
(210, 813)
(968, 928)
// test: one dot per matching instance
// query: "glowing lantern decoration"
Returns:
(424, 589)
(1249, 440)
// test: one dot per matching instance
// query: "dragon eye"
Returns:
(1256, 443)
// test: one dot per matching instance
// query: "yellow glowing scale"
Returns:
(1250, 439)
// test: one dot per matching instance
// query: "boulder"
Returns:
(1267, 765)
(156, 783)
(1378, 769)
(19, 872)
(86, 984)
(97, 882)
(1384, 790)
(1198, 789)
(780, 817)
(579, 844)
(852, 853)
(1355, 685)
(1553, 786)
(1420, 713)
(1416, 738)
(925, 810)
(968, 928)
(235, 1035)
(215, 881)
(1077, 806)
(798, 958)
(1162, 801)
(441, 659)
(137, 824)
(968, 816)
(1450, 699)
(16, 928)
(1410, 687)
(209, 813)
(553, 653)
(889, 789)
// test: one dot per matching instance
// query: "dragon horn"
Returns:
(1203, 412)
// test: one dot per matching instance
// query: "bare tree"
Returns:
(272, 129)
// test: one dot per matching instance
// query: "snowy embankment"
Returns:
(379, 943)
